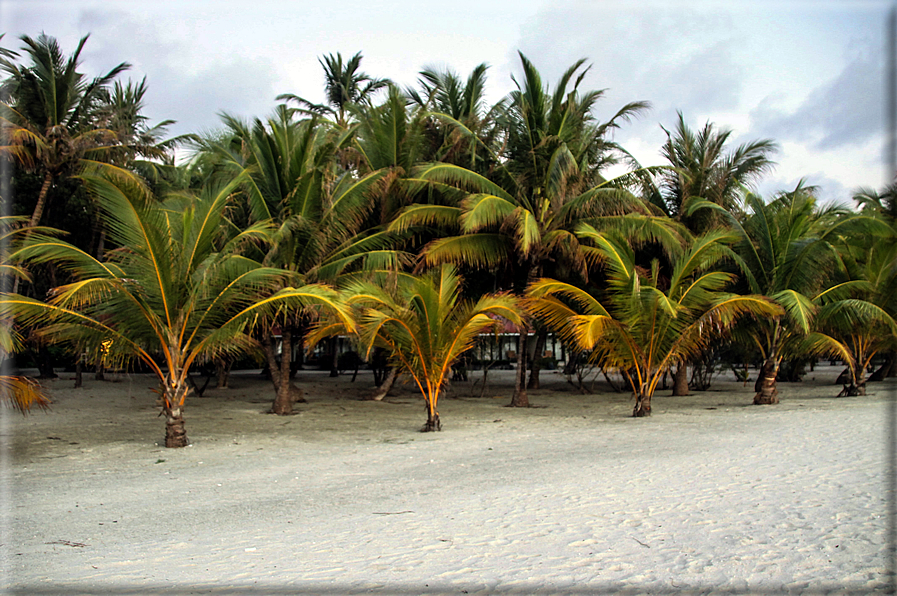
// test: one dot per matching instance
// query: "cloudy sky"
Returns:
(809, 75)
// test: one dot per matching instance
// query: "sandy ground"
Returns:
(710, 495)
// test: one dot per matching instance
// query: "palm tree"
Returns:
(289, 176)
(462, 129)
(344, 86)
(389, 140)
(860, 326)
(701, 166)
(855, 330)
(426, 326)
(644, 323)
(522, 216)
(48, 111)
(176, 292)
(787, 252)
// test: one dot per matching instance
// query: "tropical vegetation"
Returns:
(414, 222)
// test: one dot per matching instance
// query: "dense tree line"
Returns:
(413, 220)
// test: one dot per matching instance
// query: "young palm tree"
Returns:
(859, 327)
(855, 330)
(522, 216)
(426, 326)
(644, 324)
(175, 292)
(787, 252)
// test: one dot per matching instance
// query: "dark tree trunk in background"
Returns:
(222, 374)
(45, 364)
(885, 370)
(541, 337)
(79, 370)
(334, 363)
(680, 380)
(520, 399)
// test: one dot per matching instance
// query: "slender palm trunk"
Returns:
(385, 386)
(520, 399)
(173, 409)
(433, 423)
(222, 372)
(767, 392)
(286, 392)
(41, 200)
(334, 363)
(36, 215)
(541, 338)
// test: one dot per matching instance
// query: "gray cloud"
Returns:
(848, 110)
(184, 84)
(641, 54)
(829, 190)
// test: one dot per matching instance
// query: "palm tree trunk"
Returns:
(175, 433)
(520, 399)
(287, 393)
(222, 372)
(79, 368)
(885, 370)
(385, 386)
(642, 405)
(433, 423)
(680, 379)
(35, 216)
(271, 359)
(767, 392)
(334, 364)
(41, 201)
(541, 338)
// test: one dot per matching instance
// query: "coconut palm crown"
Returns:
(643, 323)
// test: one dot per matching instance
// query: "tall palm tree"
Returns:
(389, 140)
(522, 216)
(426, 326)
(176, 291)
(643, 323)
(462, 129)
(289, 175)
(702, 166)
(344, 86)
(47, 113)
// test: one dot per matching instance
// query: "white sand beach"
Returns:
(710, 495)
